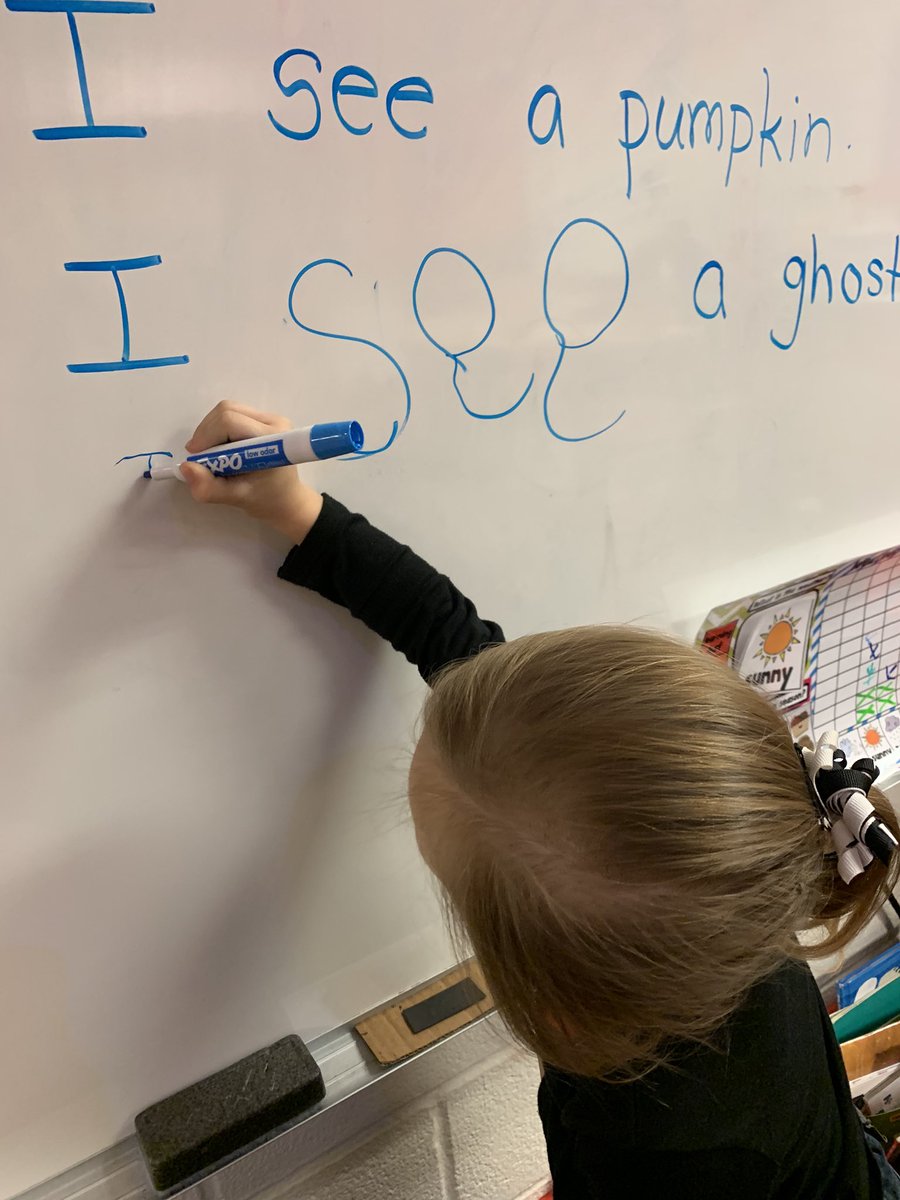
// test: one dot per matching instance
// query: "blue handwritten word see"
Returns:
(349, 81)
(618, 276)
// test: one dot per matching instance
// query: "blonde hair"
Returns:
(631, 843)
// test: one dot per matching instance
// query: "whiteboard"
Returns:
(204, 841)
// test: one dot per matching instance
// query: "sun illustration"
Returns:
(778, 638)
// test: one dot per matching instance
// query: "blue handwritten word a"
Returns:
(90, 128)
(554, 125)
(691, 124)
(807, 277)
(126, 362)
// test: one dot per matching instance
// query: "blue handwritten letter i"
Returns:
(126, 363)
(90, 129)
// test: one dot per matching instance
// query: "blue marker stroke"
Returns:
(291, 89)
(767, 133)
(736, 147)
(79, 6)
(413, 88)
(712, 265)
(561, 337)
(851, 269)
(873, 648)
(703, 106)
(90, 129)
(396, 428)
(457, 356)
(825, 124)
(890, 672)
(126, 362)
(368, 88)
(555, 126)
(79, 67)
(796, 285)
(663, 143)
(626, 141)
(148, 454)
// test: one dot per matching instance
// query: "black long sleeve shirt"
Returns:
(772, 1118)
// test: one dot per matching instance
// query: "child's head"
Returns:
(624, 832)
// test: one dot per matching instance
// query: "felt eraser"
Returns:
(209, 1123)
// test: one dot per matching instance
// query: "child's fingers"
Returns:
(224, 425)
(206, 488)
(273, 420)
(202, 484)
(229, 422)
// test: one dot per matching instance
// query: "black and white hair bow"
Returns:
(840, 795)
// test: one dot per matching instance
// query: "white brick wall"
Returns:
(493, 1134)
(477, 1138)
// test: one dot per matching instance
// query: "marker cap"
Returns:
(332, 438)
(173, 472)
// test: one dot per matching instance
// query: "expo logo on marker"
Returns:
(222, 463)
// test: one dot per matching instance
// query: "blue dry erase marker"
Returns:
(328, 440)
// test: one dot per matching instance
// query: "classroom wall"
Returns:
(202, 781)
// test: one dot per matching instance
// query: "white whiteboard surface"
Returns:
(204, 843)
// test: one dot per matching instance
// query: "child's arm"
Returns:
(383, 583)
(341, 556)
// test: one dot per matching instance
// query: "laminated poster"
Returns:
(825, 650)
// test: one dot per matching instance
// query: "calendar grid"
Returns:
(855, 647)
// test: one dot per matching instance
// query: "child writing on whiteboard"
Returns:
(624, 833)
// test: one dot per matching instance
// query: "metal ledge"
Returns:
(359, 1094)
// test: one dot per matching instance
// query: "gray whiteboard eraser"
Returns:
(210, 1123)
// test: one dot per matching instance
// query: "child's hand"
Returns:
(277, 496)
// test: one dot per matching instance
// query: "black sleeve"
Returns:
(388, 587)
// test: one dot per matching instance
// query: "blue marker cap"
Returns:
(332, 438)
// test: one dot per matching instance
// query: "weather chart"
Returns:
(825, 649)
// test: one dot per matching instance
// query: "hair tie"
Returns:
(840, 797)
